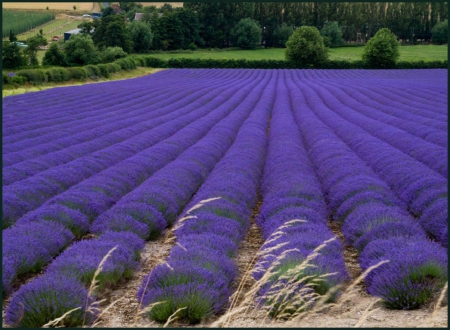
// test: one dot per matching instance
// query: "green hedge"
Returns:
(60, 74)
(34, 76)
(274, 64)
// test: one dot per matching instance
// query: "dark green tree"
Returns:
(439, 33)
(333, 31)
(246, 34)
(112, 32)
(54, 56)
(12, 36)
(87, 27)
(281, 35)
(141, 35)
(80, 50)
(381, 51)
(33, 44)
(305, 47)
(107, 11)
(12, 56)
(175, 29)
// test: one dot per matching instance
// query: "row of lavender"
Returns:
(100, 191)
(200, 271)
(145, 210)
(374, 219)
(161, 195)
(293, 218)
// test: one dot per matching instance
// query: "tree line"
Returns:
(225, 24)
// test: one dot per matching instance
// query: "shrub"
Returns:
(192, 46)
(78, 73)
(382, 51)
(113, 67)
(246, 34)
(6, 78)
(46, 299)
(93, 71)
(58, 74)
(126, 64)
(104, 72)
(439, 32)
(110, 54)
(34, 76)
(18, 80)
(305, 47)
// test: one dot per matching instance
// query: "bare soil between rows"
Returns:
(351, 313)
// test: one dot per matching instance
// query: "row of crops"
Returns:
(19, 21)
(189, 150)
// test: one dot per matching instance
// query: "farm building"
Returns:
(69, 33)
(138, 16)
(96, 15)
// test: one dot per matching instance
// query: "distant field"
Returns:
(88, 6)
(54, 28)
(407, 53)
(160, 4)
(19, 21)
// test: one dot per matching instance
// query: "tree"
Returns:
(439, 33)
(12, 36)
(12, 56)
(281, 35)
(305, 47)
(54, 56)
(112, 32)
(175, 29)
(381, 51)
(86, 27)
(333, 32)
(246, 34)
(80, 50)
(74, 7)
(33, 44)
(141, 35)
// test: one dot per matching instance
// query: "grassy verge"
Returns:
(407, 53)
(138, 72)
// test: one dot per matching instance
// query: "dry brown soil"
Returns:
(358, 309)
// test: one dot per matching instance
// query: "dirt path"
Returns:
(123, 313)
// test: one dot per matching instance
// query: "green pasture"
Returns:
(407, 53)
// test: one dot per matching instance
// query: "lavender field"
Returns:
(92, 168)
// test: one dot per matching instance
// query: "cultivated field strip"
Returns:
(188, 150)
(25, 195)
(413, 182)
(293, 217)
(143, 122)
(435, 157)
(105, 189)
(133, 100)
(368, 211)
(365, 96)
(90, 101)
(201, 266)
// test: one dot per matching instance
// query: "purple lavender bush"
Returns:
(47, 298)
